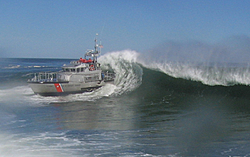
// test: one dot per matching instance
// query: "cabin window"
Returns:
(78, 70)
(82, 69)
(73, 70)
(66, 70)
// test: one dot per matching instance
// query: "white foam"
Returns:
(124, 64)
(210, 75)
(43, 144)
(24, 96)
(49, 144)
(105, 91)
(12, 67)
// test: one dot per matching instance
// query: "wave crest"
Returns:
(124, 64)
(226, 75)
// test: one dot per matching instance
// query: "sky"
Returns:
(67, 28)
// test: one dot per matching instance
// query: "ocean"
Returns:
(154, 108)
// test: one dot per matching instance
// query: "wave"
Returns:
(128, 71)
(129, 64)
(12, 67)
(25, 67)
(208, 74)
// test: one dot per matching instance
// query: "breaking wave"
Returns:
(128, 72)
(207, 73)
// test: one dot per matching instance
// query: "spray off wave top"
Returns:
(124, 64)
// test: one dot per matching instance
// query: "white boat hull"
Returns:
(63, 88)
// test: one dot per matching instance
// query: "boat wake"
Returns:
(23, 95)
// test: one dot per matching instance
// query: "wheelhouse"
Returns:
(74, 69)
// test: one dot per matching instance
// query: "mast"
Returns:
(96, 44)
(94, 53)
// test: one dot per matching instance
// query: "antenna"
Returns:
(96, 45)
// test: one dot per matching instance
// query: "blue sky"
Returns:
(66, 28)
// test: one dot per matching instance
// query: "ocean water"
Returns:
(154, 109)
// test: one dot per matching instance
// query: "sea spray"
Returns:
(128, 72)
(224, 63)
(213, 74)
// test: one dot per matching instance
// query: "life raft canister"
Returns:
(83, 60)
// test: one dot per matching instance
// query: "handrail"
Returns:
(45, 77)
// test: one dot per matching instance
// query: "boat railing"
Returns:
(44, 77)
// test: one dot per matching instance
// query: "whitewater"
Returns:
(156, 107)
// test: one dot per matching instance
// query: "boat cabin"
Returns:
(81, 67)
(74, 69)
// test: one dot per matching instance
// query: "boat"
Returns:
(83, 75)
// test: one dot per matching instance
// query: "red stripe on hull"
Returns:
(58, 87)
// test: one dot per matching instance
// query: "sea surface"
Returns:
(154, 109)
